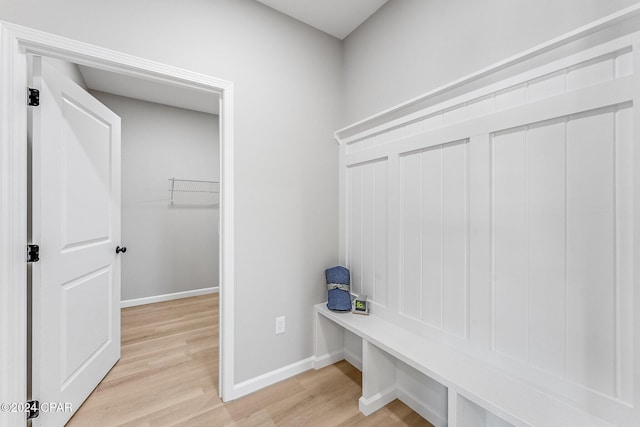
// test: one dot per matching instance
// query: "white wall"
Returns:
(170, 248)
(287, 105)
(411, 46)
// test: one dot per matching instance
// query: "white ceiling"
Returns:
(134, 87)
(336, 17)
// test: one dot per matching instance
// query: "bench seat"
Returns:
(472, 385)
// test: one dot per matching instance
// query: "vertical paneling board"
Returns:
(368, 230)
(354, 209)
(509, 236)
(411, 268)
(546, 245)
(432, 217)
(591, 251)
(624, 252)
(480, 253)
(381, 241)
(454, 238)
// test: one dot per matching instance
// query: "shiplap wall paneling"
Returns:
(562, 251)
(516, 242)
(434, 220)
(367, 206)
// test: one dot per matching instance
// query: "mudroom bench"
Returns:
(443, 385)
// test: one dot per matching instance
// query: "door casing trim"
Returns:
(16, 42)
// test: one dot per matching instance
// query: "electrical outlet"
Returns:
(280, 325)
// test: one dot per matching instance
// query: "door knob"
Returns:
(121, 249)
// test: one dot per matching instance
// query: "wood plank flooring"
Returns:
(168, 376)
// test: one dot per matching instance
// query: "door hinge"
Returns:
(33, 409)
(33, 97)
(33, 253)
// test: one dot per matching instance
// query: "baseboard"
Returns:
(366, 406)
(168, 297)
(319, 362)
(425, 411)
(353, 360)
(265, 380)
(377, 401)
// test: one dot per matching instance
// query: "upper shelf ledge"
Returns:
(437, 95)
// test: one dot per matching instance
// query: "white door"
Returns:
(76, 222)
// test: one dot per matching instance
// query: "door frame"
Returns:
(16, 42)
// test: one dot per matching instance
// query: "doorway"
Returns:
(168, 227)
(17, 43)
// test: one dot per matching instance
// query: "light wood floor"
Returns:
(168, 376)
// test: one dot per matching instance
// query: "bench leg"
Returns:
(328, 342)
(378, 379)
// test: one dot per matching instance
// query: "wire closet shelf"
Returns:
(192, 186)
